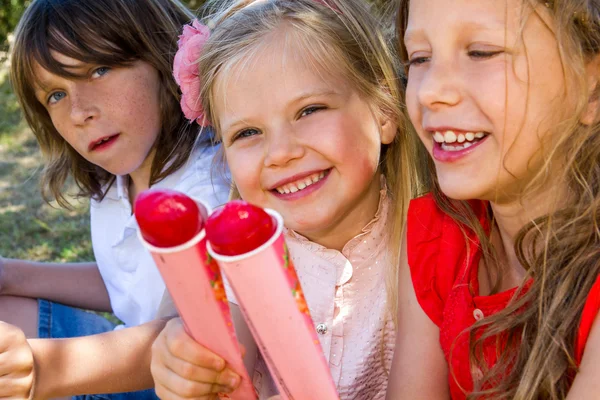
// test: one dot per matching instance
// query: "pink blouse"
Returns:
(346, 296)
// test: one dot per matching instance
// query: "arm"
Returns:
(419, 369)
(586, 385)
(74, 284)
(112, 362)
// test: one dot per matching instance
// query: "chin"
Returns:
(461, 189)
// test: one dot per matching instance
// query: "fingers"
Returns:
(16, 363)
(181, 345)
(17, 386)
(183, 369)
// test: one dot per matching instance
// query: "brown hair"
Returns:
(560, 250)
(342, 37)
(103, 32)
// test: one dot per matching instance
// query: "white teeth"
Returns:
(467, 144)
(449, 137)
(300, 184)
(452, 137)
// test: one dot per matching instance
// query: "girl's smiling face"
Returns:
(485, 84)
(301, 142)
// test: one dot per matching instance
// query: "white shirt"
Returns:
(134, 284)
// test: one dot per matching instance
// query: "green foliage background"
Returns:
(11, 10)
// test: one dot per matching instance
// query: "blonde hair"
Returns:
(104, 32)
(345, 39)
(560, 250)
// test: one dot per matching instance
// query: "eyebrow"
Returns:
(470, 26)
(43, 85)
(300, 98)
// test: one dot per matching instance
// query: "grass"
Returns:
(29, 227)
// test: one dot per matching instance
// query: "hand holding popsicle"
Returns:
(184, 369)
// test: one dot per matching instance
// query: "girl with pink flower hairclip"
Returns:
(305, 98)
(95, 82)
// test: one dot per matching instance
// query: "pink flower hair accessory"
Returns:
(185, 70)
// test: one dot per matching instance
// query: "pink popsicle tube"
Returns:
(194, 281)
(268, 291)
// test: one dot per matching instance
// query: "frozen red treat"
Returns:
(239, 227)
(167, 218)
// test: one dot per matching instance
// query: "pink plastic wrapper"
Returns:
(194, 281)
(269, 294)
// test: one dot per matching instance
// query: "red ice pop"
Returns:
(239, 227)
(167, 218)
(171, 229)
(249, 246)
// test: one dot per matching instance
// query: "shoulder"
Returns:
(589, 315)
(436, 253)
(204, 177)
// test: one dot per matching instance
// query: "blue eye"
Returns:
(100, 71)
(417, 61)
(56, 97)
(310, 110)
(246, 133)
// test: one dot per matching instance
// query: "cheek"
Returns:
(245, 172)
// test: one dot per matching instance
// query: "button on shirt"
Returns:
(346, 296)
(133, 282)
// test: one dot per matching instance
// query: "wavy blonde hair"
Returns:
(343, 38)
(560, 250)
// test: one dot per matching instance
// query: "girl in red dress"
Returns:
(502, 294)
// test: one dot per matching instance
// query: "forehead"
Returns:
(280, 66)
(45, 78)
(464, 15)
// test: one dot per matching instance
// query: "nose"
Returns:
(440, 85)
(282, 147)
(83, 105)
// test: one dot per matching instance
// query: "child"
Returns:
(304, 96)
(504, 95)
(95, 83)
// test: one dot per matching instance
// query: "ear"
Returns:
(590, 115)
(388, 129)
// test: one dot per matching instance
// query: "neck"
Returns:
(512, 215)
(139, 180)
(338, 234)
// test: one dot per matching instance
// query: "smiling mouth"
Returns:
(452, 141)
(302, 183)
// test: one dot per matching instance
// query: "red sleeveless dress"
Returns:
(445, 278)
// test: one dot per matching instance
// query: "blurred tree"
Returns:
(11, 10)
